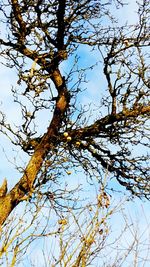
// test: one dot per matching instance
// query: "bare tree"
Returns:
(37, 37)
(76, 236)
(84, 237)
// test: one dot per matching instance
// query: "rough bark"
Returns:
(25, 185)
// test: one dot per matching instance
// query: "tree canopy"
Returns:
(43, 41)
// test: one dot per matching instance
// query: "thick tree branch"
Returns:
(100, 126)
(48, 142)
(22, 25)
(61, 24)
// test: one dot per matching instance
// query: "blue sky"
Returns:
(135, 209)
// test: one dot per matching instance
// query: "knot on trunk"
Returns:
(3, 188)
